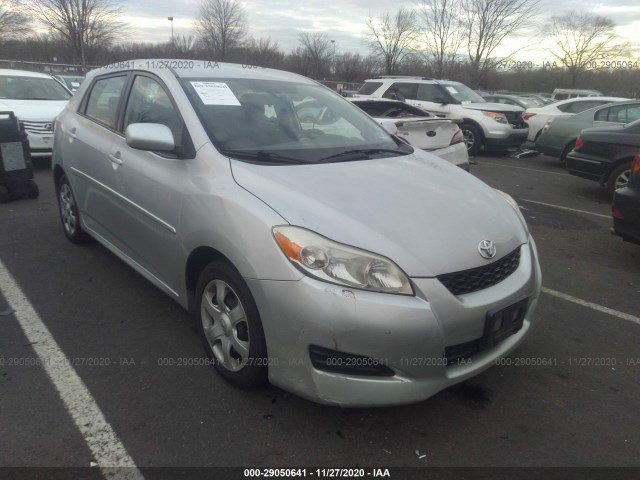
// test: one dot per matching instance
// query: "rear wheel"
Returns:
(69, 214)
(618, 178)
(565, 152)
(33, 189)
(472, 138)
(229, 324)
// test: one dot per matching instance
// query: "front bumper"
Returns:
(40, 144)
(409, 334)
(506, 139)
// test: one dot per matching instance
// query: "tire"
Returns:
(32, 189)
(69, 214)
(472, 138)
(565, 152)
(618, 178)
(231, 330)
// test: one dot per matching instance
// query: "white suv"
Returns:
(483, 123)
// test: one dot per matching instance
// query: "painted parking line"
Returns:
(98, 434)
(561, 207)
(482, 162)
(591, 305)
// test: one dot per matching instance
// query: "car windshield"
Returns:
(267, 121)
(31, 88)
(462, 93)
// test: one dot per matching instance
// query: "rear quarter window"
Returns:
(369, 87)
(103, 99)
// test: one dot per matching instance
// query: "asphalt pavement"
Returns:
(569, 396)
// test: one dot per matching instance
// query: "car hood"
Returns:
(33, 110)
(423, 213)
(493, 107)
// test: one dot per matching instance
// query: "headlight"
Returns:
(498, 117)
(509, 199)
(333, 262)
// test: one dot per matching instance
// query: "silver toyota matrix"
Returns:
(315, 251)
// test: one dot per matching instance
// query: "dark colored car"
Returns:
(606, 154)
(626, 207)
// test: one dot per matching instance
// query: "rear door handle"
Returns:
(115, 158)
(72, 133)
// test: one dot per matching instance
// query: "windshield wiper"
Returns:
(360, 152)
(263, 157)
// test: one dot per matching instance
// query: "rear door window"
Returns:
(103, 100)
(408, 90)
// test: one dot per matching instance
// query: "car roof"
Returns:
(589, 99)
(410, 79)
(183, 68)
(22, 73)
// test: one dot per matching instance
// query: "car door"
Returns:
(87, 140)
(151, 184)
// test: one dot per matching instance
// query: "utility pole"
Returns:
(171, 20)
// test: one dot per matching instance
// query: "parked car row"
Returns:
(482, 123)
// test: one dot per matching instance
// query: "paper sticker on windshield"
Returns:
(451, 90)
(215, 93)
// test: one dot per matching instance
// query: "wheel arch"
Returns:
(613, 166)
(58, 172)
(198, 259)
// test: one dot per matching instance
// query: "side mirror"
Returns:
(154, 137)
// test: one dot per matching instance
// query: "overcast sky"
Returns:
(342, 20)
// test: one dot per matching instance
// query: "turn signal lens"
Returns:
(636, 164)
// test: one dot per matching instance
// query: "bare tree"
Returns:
(487, 24)
(442, 33)
(318, 50)
(83, 24)
(13, 23)
(392, 37)
(221, 26)
(581, 40)
(354, 68)
(265, 53)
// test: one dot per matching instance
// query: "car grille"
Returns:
(38, 127)
(474, 279)
(515, 119)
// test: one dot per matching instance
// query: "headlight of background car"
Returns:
(498, 117)
(509, 199)
(333, 262)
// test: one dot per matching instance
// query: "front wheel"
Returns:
(618, 178)
(229, 325)
(69, 214)
(472, 138)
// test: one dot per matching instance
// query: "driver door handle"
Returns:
(115, 158)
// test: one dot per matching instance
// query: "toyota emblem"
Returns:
(487, 249)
